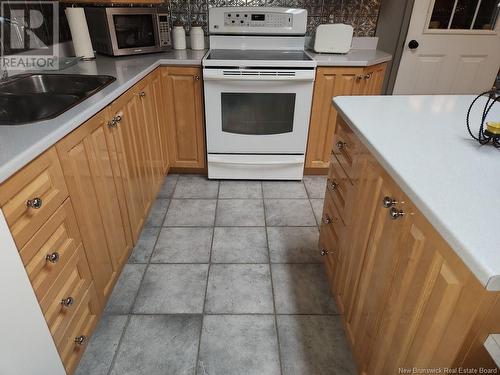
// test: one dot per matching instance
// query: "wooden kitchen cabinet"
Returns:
(183, 91)
(159, 109)
(331, 82)
(407, 299)
(87, 168)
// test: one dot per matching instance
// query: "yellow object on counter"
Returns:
(493, 127)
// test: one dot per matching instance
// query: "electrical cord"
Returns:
(483, 137)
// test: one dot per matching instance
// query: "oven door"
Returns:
(133, 30)
(257, 112)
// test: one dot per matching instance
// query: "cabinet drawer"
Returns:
(331, 227)
(345, 147)
(339, 186)
(47, 253)
(71, 284)
(32, 195)
(81, 327)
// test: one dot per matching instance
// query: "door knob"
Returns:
(413, 44)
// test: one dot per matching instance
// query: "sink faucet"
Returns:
(4, 20)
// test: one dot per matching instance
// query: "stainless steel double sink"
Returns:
(29, 98)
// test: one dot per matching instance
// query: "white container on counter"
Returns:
(197, 37)
(179, 36)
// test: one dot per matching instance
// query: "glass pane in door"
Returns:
(134, 31)
(257, 113)
(464, 14)
(487, 15)
(441, 14)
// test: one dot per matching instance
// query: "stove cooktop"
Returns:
(260, 55)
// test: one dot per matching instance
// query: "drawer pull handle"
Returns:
(340, 145)
(333, 185)
(35, 203)
(67, 302)
(52, 257)
(396, 213)
(80, 339)
(324, 252)
(327, 219)
(389, 202)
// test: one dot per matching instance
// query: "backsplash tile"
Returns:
(361, 14)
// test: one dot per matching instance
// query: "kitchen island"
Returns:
(405, 232)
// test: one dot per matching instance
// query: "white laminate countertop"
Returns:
(492, 345)
(423, 143)
(20, 144)
(355, 57)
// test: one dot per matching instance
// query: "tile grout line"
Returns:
(318, 224)
(130, 313)
(206, 284)
(272, 284)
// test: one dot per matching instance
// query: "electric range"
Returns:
(258, 83)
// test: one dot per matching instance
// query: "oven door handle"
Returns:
(257, 79)
(293, 162)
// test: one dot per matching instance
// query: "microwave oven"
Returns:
(128, 31)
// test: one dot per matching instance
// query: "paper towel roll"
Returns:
(80, 32)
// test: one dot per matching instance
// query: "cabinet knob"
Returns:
(396, 213)
(368, 76)
(359, 77)
(142, 94)
(80, 339)
(388, 202)
(324, 252)
(340, 145)
(118, 118)
(333, 185)
(35, 203)
(67, 302)
(196, 77)
(52, 257)
(112, 123)
(326, 219)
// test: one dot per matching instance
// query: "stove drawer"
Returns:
(256, 167)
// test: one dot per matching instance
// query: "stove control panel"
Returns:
(257, 20)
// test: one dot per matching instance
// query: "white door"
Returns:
(452, 47)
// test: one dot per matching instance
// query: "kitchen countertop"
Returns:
(21, 144)
(492, 345)
(355, 57)
(423, 143)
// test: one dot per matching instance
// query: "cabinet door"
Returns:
(160, 109)
(432, 304)
(379, 265)
(87, 168)
(183, 89)
(130, 158)
(330, 82)
(373, 79)
(148, 122)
